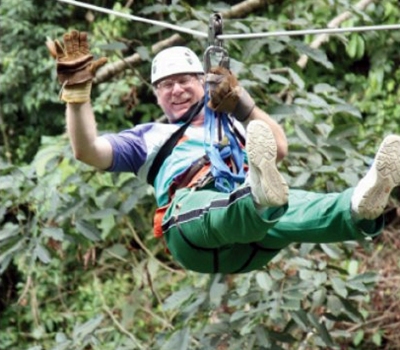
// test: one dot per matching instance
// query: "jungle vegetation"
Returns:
(79, 267)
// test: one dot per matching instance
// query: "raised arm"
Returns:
(76, 69)
(88, 147)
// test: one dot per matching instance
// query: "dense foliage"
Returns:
(79, 268)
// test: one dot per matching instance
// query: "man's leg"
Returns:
(351, 215)
(208, 231)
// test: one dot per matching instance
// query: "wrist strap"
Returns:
(78, 93)
(244, 106)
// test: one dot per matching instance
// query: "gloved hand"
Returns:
(226, 95)
(75, 66)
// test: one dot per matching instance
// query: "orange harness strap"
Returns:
(196, 176)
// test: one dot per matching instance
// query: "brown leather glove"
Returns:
(75, 66)
(226, 95)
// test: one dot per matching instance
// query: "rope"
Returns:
(235, 36)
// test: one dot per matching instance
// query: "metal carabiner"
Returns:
(214, 50)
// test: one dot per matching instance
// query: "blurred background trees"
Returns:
(79, 267)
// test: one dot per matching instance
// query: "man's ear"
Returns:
(156, 95)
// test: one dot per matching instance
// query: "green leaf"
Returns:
(14, 248)
(81, 331)
(276, 274)
(306, 275)
(315, 54)
(358, 337)
(318, 298)
(6, 182)
(323, 88)
(260, 72)
(54, 232)
(175, 300)
(117, 249)
(366, 278)
(304, 113)
(103, 213)
(262, 335)
(301, 180)
(351, 310)
(349, 109)
(143, 53)
(332, 250)
(333, 153)
(113, 46)
(300, 317)
(216, 328)
(291, 304)
(178, 341)
(88, 230)
(377, 338)
(264, 281)
(42, 253)
(339, 286)
(321, 329)
(306, 135)
(9, 230)
(335, 305)
(217, 291)
(279, 79)
(238, 315)
(46, 156)
(296, 79)
(351, 47)
(319, 278)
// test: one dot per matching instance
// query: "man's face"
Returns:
(177, 93)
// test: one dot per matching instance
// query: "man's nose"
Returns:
(177, 88)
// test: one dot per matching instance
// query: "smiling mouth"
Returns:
(180, 103)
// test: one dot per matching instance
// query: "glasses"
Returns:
(168, 84)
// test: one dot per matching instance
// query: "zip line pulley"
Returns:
(215, 27)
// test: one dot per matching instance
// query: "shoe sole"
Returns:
(262, 150)
(387, 164)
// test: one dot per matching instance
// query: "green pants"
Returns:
(209, 232)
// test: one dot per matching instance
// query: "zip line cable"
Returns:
(235, 36)
(310, 31)
(135, 18)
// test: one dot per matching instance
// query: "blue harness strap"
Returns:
(226, 179)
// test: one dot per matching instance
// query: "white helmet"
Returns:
(175, 60)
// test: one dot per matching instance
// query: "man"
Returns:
(225, 222)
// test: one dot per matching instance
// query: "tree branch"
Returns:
(334, 23)
(244, 8)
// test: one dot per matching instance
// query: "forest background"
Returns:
(79, 267)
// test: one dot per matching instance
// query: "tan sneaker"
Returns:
(268, 187)
(372, 193)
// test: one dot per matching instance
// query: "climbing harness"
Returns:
(168, 146)
(223, 162)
